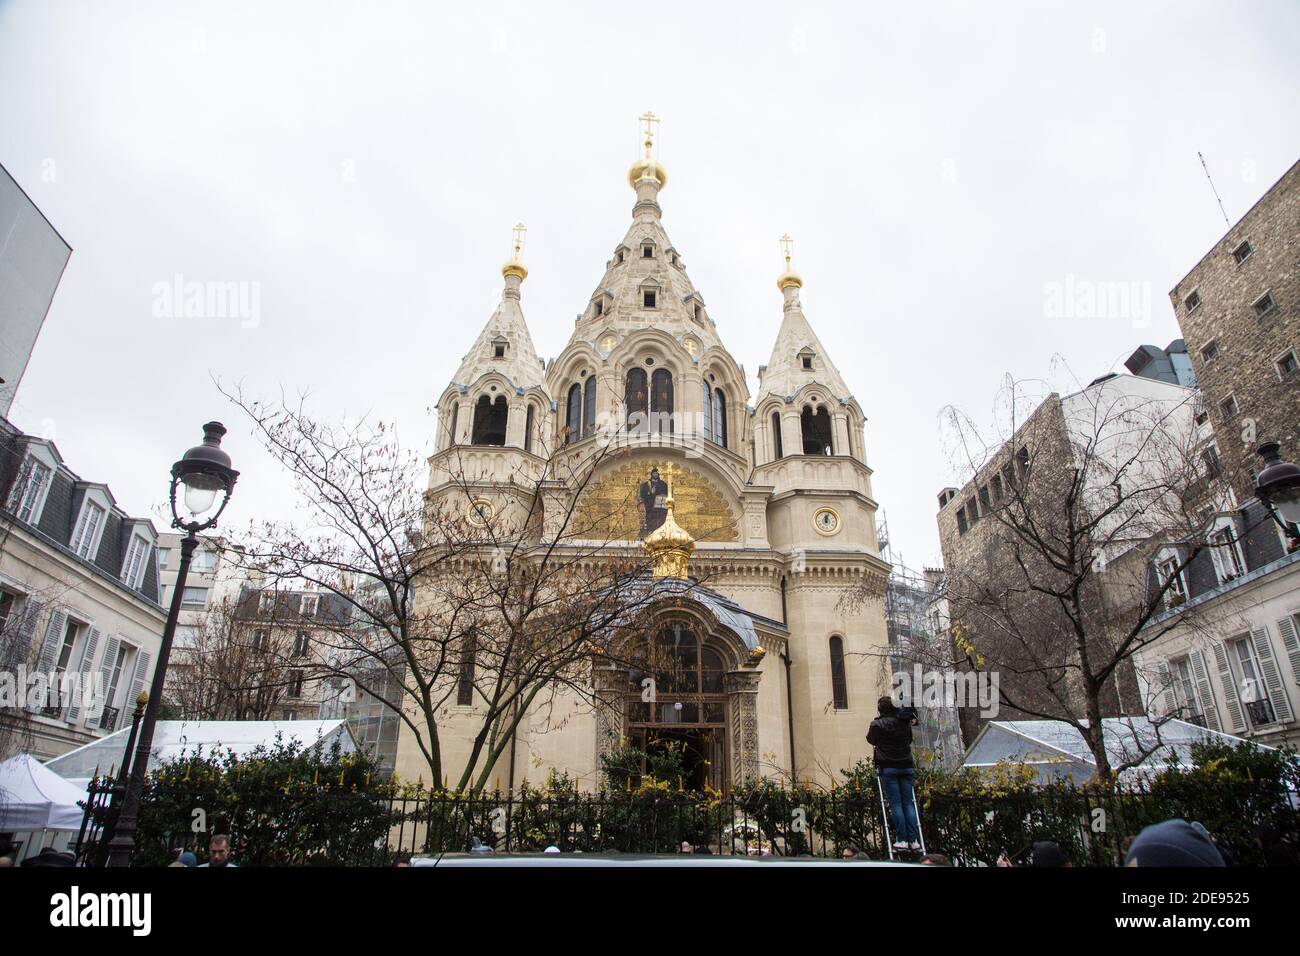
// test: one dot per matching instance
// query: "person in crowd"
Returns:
(891, 736)
(686, 848)
(935, 859)
(219, 851)
(50, 857)
(1173, 843)
(182, 857)
(1047, 853)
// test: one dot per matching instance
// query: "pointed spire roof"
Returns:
(646, 260)
(784, 374)
(506, 331)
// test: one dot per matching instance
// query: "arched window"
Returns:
(777, 453)
(661, 401)
(816, 427)
(839, 684)
(635, 397)
(720, 418)
(589, 407)
(490, 421)
(707, 407)
(573, 422)
(529, 423)
(465, 675)
(685, 671)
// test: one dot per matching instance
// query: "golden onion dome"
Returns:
(514, 268)
(647, 167)
(788, 278)
(670, 546)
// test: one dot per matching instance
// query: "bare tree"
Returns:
(1055, 590)
(236, 665)
(493, 590)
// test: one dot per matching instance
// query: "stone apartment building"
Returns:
(1052, 441)
(79, 600)
(1239, 309)
(1226, 652)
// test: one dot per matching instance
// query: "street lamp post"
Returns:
(206, 476)
(1278, 487)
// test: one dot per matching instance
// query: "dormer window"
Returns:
(648, 298)
(647, 250)
(618, 256)
(807, 362)
(27, 497)
(90, 525)
(498, 351)
(309, 604)
(598, 308)
(137, 553)
(673, 259)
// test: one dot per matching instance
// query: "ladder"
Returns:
(884, 816)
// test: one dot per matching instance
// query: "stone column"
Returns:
(609, 713)
(841, 424)
(742, 700)
(791, 432)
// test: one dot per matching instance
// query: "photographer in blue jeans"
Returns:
(891, 736)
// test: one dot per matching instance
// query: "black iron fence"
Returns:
(310, 822)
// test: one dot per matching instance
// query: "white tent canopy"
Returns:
(1057, 751)
(33, 797)
(173, 739)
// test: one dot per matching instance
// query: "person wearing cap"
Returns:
(1173, 843)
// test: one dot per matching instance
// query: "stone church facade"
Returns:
(773, 490)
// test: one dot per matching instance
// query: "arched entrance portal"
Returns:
(676, 703)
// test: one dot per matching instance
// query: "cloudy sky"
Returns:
(359, 166)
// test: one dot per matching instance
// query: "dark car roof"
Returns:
(631, 859)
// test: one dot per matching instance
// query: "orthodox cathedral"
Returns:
(767, 498)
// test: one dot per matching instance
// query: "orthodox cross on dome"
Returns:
(519, 231)
(650, 120)
(670, 475)
(787, 247)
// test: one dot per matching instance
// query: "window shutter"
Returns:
(1290, 644)
(105, 675)
(1167, 682)
(83, 674)
(1205, 691)
(138, 677)
(24, 632)
(53, 640)
(1272, 676)
(1236, 719)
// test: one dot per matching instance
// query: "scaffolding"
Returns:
(916, 622)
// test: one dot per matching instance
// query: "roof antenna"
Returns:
(1212, 189)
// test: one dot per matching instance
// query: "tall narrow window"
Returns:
(589, 406)
(465, 679)
(839, 683)
(635, 397)
(529, 424)
(661, 401)
(455, 414)
(707, 408)
(490, 421)
(777, 453)
(720, 418)
(573, 420)
(29, 489)
(133, 566)
(816, 427)
(86, 538)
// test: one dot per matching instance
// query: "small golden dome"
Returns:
(788, 279)
(647, 167)
(514, 268)
(670, 547)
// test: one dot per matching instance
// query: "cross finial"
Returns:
(670, 473)
(787, 246)
(650, 120)
(519, 231)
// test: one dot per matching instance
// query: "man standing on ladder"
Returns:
(891, 736)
